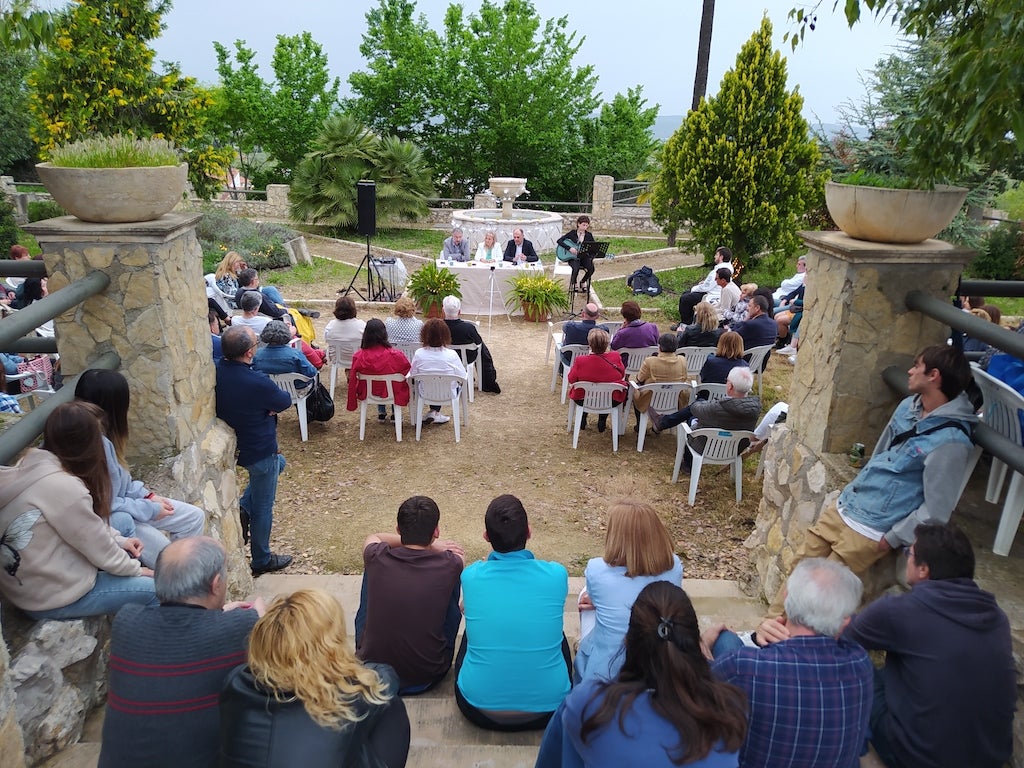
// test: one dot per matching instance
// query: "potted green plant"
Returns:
(538, 295)
(115, 179)
(429, 285)
(891, 209)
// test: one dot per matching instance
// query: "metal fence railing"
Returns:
(1008, 341)
(17, 334)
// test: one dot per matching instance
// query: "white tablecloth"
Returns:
(475, 284)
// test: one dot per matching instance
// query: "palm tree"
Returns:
(700, 80)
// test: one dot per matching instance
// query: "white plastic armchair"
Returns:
(709, 392)
(389, 380)
(722, 446)
(339, 357)
(664, 398)
(408, 348)
(440, 389)
(695, 359)
(475, 369)
(757, 358)
(574, 351)
(289, 383)
(1001, 411)
(634, 357)
(597, 399)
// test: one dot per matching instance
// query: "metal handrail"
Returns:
(958, 320)
(15, 329)
(27, 429)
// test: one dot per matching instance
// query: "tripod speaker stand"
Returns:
(366, 208)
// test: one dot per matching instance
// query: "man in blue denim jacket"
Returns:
(913, 475)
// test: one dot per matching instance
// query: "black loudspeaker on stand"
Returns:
(377, 289)
(366, 205)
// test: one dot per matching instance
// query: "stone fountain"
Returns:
(540, 227)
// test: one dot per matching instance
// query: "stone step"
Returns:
(441, 736)
(496, 756)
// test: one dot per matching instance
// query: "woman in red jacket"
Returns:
(599, 366)
(376, 357)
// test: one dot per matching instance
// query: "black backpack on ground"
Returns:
(644, 281)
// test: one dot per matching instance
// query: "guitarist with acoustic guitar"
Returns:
(568, 251)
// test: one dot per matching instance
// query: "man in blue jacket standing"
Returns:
(249, 402)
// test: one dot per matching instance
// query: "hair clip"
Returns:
(665, 627)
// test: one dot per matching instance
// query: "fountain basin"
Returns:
(542, 228)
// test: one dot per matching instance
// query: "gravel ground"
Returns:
(337, 490)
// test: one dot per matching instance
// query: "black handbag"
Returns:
(319, 405)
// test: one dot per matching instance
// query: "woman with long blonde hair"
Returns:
(304, 699)
(637, 552)
(704, 331)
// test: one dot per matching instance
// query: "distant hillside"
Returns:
(666, 125)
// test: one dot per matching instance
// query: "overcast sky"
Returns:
(648, 42)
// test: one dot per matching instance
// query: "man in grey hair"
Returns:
(456, 247)
(168, 663)
(810, 695)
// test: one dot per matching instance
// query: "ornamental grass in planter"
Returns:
(115, 179)
(539, 296)
(890, 209)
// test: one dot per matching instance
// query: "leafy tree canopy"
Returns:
(744, 163)
(494, 94)
(282, 117)
(97, 78)
(970, 107)
(16, 146)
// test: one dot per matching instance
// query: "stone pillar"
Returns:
(153, 315)
(604, 187)
(856, 324)
(277, 200)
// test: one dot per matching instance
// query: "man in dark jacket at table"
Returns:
(519, 250)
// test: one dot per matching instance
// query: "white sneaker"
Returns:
(440, 418)
(789, 349)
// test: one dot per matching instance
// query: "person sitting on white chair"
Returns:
(737, 411)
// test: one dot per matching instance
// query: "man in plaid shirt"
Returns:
(810, 695)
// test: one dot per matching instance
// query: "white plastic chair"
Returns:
(709, 392)
(612, 325)
(475, 369)
(213, 291)
(597, 399)
(389, 380)
(664, 398)
(756, 358)
(722, 447)
(408, 348)
(440, 389)
(695, 359)
(554, 335)
(1001, 412)
(288, 382)
(574, 351)
(339, 357)
(634, 357)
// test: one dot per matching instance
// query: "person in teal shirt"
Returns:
(513, 668)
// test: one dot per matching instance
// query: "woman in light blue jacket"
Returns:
(637, 552)
(154, 517)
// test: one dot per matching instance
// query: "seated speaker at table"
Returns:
(520, 250)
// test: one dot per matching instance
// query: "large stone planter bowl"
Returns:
(892, 215)
(115, 195)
